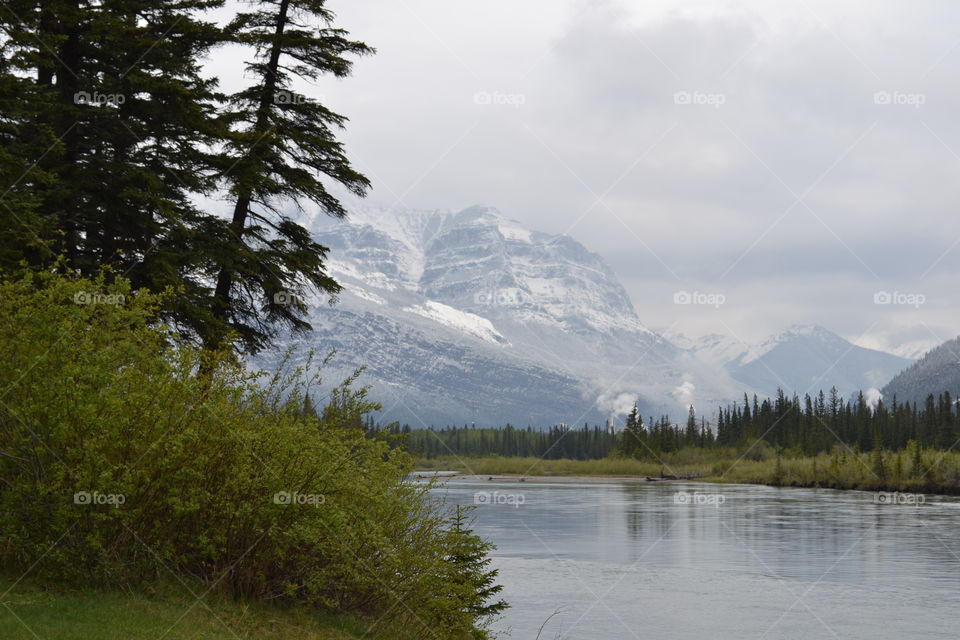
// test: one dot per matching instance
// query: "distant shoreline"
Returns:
(853, 474)
(598, 478)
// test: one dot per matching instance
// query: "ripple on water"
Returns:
(627, 560)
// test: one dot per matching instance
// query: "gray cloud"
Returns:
(580, 103)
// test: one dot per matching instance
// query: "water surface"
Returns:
(624, 559)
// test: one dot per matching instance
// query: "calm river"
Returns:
(675, 561)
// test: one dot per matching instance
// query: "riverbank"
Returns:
(928, 471)
(34, 610)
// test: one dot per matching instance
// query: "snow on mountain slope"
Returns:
(461, 320)
(714, 348)
(470, 317)
(800, 359)
(912, 343)
(806, 359)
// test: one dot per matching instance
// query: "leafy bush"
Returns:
(122, 465)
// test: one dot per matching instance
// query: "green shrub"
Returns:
(122, 465)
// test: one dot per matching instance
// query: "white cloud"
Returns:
(796, 198)
(616, 404)
(872, 396)
(684, 393)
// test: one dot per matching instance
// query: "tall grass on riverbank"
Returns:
(913, 469)
(687, 462)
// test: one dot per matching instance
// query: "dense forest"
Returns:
(807, 426)
(555, 443)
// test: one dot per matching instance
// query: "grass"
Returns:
(939, 471)
(496, 465)
(30, 611)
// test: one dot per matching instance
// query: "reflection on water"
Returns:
(691, 560)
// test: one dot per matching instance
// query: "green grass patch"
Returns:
(33, 610)
(496, 465)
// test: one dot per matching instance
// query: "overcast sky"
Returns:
(795, 159)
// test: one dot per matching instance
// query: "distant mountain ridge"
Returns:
(936, 372)
(469, 317)
(801, 359)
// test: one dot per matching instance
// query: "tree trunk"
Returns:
(221, 296)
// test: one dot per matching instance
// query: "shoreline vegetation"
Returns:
(131, 462)
(813, 441)
(171, 611)
(912, 470)
(136, 444)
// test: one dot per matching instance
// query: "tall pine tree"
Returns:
(281, 145)
(113, 130)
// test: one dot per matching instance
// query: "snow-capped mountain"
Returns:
(912, 343)
(714, 348)
(800, 359)
(470, 317)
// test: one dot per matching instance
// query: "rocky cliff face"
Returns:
(469, 317)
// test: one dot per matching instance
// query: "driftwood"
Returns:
(692, 476)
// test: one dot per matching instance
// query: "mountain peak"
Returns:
(801, 358)
(479, 212)
(812, 330)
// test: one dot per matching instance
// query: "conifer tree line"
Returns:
(554, 443)
(816, 424)
(116, 147)
(809, 426)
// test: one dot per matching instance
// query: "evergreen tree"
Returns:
(468, 572)
(113, 128)
(280, 146)
(110, 137)
(878, 464)
(310, 410)
(915, 453)
(945, 423)
(690, 435)
(632, 439)
(25, 236)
